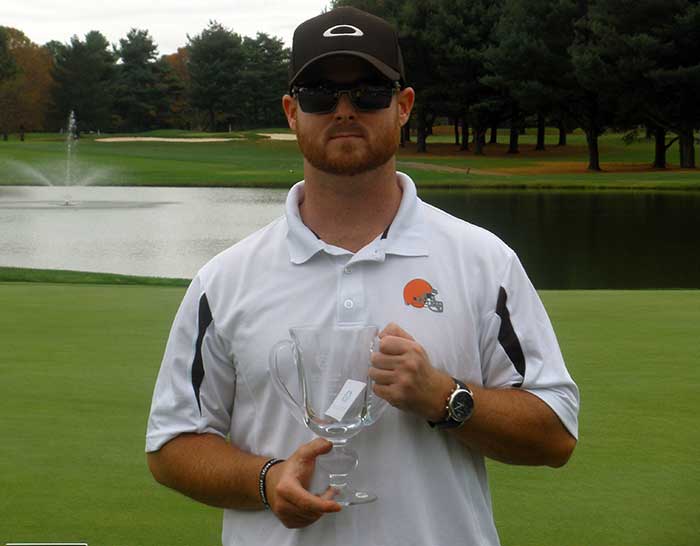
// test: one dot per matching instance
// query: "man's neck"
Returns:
(350, 211)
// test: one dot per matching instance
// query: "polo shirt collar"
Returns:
(407, 235)
(301, 241)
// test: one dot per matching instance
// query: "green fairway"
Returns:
(79, 363)
(632, 479)
(247, 162)
(21, 274)
(252, 160)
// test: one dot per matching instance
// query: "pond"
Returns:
(571, 239)
(566, 239)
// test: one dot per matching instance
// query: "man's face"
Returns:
(347, 141)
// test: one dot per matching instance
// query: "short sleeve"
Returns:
(196, 383)
(518, 347)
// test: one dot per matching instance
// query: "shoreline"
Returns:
(486, 185)
(12, 275)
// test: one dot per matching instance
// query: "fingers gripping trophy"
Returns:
(321, 374)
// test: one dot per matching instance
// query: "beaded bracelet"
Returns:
(261, 480)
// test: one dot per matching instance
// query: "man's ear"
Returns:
(406, 98)
(289, 104)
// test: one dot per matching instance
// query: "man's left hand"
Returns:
(404, 377)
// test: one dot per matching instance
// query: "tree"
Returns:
(442, 42)
(529, 57)
(646, 52)
(24, 97)
(180, 112)
(594, 102)
(462, 31)
(416, 37)
(264, 79)
(625, 34)
(54, 48)
(216, 61)
(141, 97)
(677, 79)
(84, 72)
(174, 96)
(8, 68)
(413, 21)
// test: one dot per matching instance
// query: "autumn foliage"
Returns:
(24, 97)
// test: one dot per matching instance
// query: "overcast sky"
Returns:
(169, 21)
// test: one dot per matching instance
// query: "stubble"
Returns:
(349, 157)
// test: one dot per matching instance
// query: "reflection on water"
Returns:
(565, 239)
(572, 239)
(166, 232)
(27, 205)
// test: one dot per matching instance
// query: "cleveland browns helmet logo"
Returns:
(419, 293)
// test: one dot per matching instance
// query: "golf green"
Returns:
(254, 161)
(79, 363)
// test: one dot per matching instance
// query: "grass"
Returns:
(239, 163)
(632, 480)
(21, 274)
(257, 161)
(76, 381)
(79, 363)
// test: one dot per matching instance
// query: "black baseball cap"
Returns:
(351, 32)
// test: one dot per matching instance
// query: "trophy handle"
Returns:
(277, 382)
(375, 405)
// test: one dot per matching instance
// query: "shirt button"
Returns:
(348, 304)
(347, 270)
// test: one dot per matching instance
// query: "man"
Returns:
(468, 359)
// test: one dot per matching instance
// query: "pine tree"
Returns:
(216, 61)
(141, 91)
(84, 73)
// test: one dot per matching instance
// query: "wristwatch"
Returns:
(460, 406)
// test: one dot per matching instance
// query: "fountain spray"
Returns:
(71, 141)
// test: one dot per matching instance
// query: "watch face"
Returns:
(461, 405)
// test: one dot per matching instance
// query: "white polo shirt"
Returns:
(490, 330)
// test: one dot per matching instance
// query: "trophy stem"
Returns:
(339, 463)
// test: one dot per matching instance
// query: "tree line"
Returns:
(219, 80)
(625, 65)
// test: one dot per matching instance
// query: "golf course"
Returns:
(256, 159)
(81, 352)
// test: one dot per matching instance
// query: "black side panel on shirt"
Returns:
(197, 365)
(506, 335)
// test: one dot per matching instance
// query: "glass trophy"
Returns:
(322, 376)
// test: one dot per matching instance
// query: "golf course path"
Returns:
(445, 168)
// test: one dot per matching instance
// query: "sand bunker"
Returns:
(279, 136)
(160, 139)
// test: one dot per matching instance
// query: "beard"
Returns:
(349, 157)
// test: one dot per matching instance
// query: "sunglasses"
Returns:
(323, 98)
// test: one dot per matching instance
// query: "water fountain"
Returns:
(71, 143)
(65, 175)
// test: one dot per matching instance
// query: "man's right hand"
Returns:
(287, 486)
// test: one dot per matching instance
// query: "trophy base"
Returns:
(349, 497)
(339, 463)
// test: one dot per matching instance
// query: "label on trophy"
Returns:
(345, 399)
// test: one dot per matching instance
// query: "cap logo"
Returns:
(342, 30)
